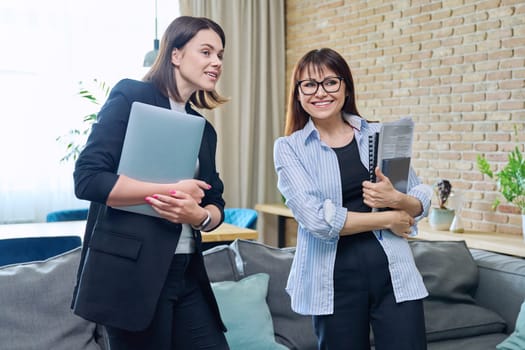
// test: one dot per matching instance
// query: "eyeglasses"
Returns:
(310, 86)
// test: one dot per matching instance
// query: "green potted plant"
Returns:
(440, 217)
(510, 179)
(75, 139)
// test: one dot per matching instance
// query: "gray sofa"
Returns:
(35, 314)
(475, 296)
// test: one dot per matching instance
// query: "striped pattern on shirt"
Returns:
(309, 178)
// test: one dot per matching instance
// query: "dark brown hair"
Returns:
(178, 33)
(317, 60)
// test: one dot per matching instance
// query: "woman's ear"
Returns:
(176, 56)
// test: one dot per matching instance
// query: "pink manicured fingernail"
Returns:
(209, 186)
(173, 192)
(156, 196)
(147, 199)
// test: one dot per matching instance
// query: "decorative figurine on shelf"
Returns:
(440, 218)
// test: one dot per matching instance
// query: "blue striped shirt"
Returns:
(309, 178)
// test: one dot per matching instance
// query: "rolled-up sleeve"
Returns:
(311, 207)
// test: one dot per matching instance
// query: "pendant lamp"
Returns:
(152, 55)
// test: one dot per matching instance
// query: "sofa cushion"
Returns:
(482, 342)
(36, 312)
(451, 320)
(291, 329)
(448, 269)
(516, 341)
(220, 264)
(245, 313)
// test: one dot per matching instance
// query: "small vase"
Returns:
(457, 225)
(441, 218)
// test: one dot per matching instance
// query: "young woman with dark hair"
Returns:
(353, 268)
(140, 276)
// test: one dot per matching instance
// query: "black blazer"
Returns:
(126, 256)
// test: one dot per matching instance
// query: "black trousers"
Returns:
(364, 298)
(182, 321)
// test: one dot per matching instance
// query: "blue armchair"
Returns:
(67, 215)
(242, 217)
(19, 250)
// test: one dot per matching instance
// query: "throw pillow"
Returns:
(220, 264)
(291, 329)
(36, 299)
(448, 269)
(516, 341)
(245, 313)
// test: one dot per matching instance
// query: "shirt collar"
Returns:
(355, 121)
(310, 132)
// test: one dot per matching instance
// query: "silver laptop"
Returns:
(161, 145)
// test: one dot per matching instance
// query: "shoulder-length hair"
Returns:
(176, 36)
(317, 61)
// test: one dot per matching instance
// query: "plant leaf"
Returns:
(484, 167)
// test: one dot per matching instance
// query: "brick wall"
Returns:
(457, 67)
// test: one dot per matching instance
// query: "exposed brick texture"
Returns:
(456, 66)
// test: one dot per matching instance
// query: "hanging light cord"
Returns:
(156, 44)
(150, 57)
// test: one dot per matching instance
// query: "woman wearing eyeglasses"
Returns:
(353, 268)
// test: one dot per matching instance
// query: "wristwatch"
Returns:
(204, 222)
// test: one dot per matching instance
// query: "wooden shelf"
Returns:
(496, 242)
(275, 209)
(286, 234)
